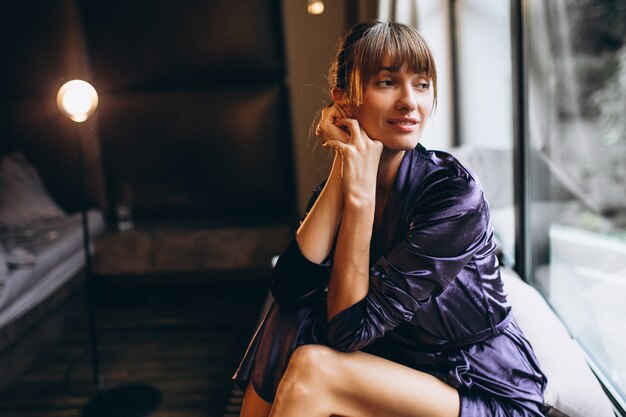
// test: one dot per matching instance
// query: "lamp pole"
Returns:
(77, 100)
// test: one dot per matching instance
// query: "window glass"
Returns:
(483, 50)
(433, 26)
(576, 67)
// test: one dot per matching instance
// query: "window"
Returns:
(576, 78)
(482, 46)
(573, 122)
(472, 45)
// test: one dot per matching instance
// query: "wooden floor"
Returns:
(183, 337)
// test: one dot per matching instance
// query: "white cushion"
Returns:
(23, 197)
(494, 169)
(572, 389)
(4, 269)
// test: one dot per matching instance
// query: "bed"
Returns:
(41, 263)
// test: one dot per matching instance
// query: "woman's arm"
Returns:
(442, 236)
(349, 280)
(300, 271)
(316, 234)
(347, 203)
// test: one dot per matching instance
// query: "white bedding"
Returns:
(58, 251)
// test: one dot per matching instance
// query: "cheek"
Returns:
(368, 118)
(428, 101)
(371, 110)
(363, 113)
(426, 105)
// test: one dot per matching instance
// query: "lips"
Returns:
(404, 124)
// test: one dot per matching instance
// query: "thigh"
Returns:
(365, 385)
(253, 405)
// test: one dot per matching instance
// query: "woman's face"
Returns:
(396, 105)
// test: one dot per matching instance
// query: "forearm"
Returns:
(316, 234)
(349, 280)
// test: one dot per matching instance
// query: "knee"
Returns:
(308, 373)
(312, 362)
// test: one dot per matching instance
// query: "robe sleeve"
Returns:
(295, 279)
(448, 225)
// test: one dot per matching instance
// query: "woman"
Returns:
(389, 299)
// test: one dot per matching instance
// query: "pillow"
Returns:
(494, 169)
(4, 268)
(503, 223)
(23, 197)
(18, 257)
(572, 390)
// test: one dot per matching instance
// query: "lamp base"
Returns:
(131, 400)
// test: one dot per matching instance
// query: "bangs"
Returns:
(399, 44)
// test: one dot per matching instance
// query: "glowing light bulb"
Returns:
(315, 7)
(77, 99)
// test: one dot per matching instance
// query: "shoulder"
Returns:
(448, 213)
(445, 178)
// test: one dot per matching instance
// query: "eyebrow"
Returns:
(392, 70)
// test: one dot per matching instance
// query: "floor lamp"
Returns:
(77, 100)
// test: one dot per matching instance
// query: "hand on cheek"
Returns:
(329, 127)
(360, 157)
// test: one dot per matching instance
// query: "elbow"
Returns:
(283, 298)
(278, 296)
(345, 342)
(343, 347)
(352, 329)
(288, 295)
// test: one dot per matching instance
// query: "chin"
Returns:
(404, 144)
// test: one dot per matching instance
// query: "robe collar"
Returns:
(393, 225)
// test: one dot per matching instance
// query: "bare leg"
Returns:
(253, 405)
(320, 381)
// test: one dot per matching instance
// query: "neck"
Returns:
(387, 169)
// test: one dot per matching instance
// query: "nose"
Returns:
(407, 99)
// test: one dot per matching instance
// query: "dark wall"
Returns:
(193, 120)
(38, 54)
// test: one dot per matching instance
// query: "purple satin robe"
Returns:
(436, 302)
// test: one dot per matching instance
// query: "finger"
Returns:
(336, 112)
(327, 129)
(342, 111)
(327, 119)
(354, 129)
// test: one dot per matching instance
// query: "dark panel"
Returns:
(217, 152)
(145, 43)
(33, 49)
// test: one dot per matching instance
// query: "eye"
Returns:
(421, 86)
(385, 82)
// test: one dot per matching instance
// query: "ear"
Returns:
(340, 99)
(337, 95)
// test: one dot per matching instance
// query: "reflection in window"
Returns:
(576, 67)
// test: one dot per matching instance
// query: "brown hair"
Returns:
(361, 53)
